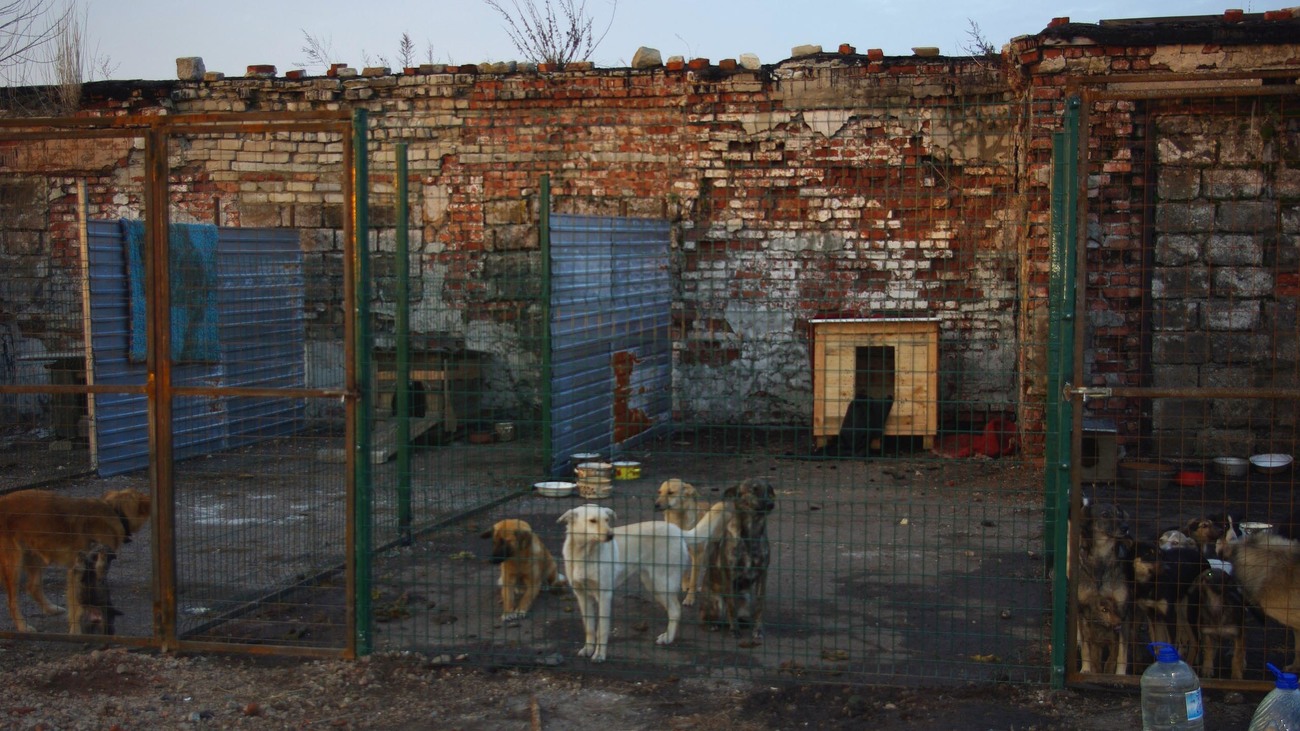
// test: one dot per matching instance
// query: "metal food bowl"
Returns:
(627, 470)
(554, 488)
(1231, 466)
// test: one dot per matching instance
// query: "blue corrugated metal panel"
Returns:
(611, 297)
(262, 328)
(260, 299)
(121, 421)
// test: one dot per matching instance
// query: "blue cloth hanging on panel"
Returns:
(193, 269)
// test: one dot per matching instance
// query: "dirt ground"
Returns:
(74, 686)
(906, 593)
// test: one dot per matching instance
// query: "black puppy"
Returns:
(1163, 578)
(735, 579)
(98, 614)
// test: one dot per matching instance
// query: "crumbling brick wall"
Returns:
(831, 185)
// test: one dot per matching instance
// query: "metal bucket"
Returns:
(627, 470)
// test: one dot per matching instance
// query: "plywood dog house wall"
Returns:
(896, 357)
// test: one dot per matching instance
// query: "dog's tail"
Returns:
(709, 527)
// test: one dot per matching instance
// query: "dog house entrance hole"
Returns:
(873, 372)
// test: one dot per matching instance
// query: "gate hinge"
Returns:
(1068, 391)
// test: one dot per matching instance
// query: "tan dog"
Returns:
(526, 566)
(39, 528)
(682, 506)
(1268, 569)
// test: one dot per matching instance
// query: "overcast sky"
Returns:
(141, 39)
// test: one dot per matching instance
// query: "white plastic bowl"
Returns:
(554, 489)
(1271, 462)
(1251, 528)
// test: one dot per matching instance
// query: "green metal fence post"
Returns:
(403, 347)
(362, 448)
(544, 247)
(1065, 198)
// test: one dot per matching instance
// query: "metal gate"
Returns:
(1180, 328)
(206, 362)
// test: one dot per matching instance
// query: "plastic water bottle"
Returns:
(1280, 709)
(1171, 693)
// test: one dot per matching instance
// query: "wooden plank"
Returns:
(383, 445)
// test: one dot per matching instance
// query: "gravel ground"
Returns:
(52, 686)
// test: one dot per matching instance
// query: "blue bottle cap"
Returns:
(1285, 680)
(1164, 652)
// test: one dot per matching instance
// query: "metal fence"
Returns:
(169, 332)
(886, 315)
(860, 335)
(1185, 366)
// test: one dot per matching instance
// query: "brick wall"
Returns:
(833, 185)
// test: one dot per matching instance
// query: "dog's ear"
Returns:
(486, 534)
(566, 517)
(609, 514)
(730, 492)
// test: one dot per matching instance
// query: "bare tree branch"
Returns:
(557, 32)
(26, 27)
(406, 51)
(319, 51)
(977, 44)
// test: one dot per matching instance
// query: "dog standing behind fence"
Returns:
(1103, 589)
(682, 506)
(526, 566)
(40, 528)
(98, 615)
(598, 558)
(736, 564)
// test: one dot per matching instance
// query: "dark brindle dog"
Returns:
(735, 582)
(98, 615)
(1103, 589)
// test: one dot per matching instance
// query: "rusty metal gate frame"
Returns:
(159, 389)
(1139, 87)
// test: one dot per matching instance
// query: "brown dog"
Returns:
(1268, 568)
(1206, 532)
(682, 506)
(736, 563)
(1103, 589)
(1105, 605)
(39, 528)
(1217, 611)
(526, 566)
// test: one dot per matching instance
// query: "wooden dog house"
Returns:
(877, 358)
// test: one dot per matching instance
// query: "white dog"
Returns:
(598, 558)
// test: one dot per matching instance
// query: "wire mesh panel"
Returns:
(1192, 327)
(53, 495)
(209, 429)
(851, 327)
